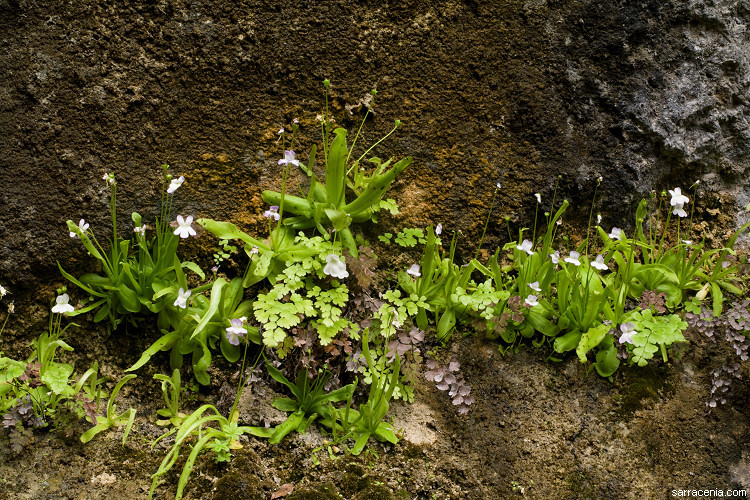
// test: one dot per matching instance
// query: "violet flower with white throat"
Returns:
(236, 331)
(555, 257)
(289, 157)
(182, 297)
(573, 258)
(272, 213)
(616, 234)
(174, 184)
(184, 227)
(531, 301)
(82, 225)
(61, 304)
(526, 246)
(335, 267)
(599, 263)
(628, 330)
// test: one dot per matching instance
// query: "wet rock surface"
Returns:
(643, 93)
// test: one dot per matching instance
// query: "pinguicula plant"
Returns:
(41, 391)
(133, 282)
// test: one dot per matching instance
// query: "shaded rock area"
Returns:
(646, 94)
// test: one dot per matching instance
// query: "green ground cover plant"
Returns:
(305, 304)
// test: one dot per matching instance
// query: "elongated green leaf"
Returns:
(336, 169)
(216, 297)
(165, 342)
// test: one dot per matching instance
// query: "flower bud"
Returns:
(701, 295)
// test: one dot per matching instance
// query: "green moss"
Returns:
(325, 491)
(374, 492)
(642, 385)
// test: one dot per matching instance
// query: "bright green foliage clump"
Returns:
(303, 293)
(654, 333)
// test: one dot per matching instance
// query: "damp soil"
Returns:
(538, 429)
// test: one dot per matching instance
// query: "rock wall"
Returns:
(647, 94)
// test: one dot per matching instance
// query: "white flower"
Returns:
(236, 331)
(555, 257)
(538, 197)
(281, 131)
(3, 291)
(525, 246)
(573, 258)
(535, 286)
(11, 307)
(175, 184)
(414, 270)
(272, 213)
(439, 229)
(61, 304)
(687, 242)
(82, 225)
(559, 222)
(498, 185)
(184, 228)
(599, 263)
(335, 267)
(616, 234)
(678, 202)
(182, 297)
(531, 301)
(109, 178)
(289, 157)
(598, 219)
(141, 230)
(254, 250)
(628, 330)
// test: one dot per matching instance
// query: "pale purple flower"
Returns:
(414, 270)
(599, 263)
(531, 301)
(254, 250)
(555, 257)
(82, 225)
(184, 228)
(616, 234)
(498, 185)
(281, 131)
(573, 258)
(289, 157)
(335, 267)
(109, 178)
(272, 213)
(61, 304)
(236, 331)
(175, 184)
(182, 297)
(439, 229)
(526, 246)
(535, 286)
(628, 330)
